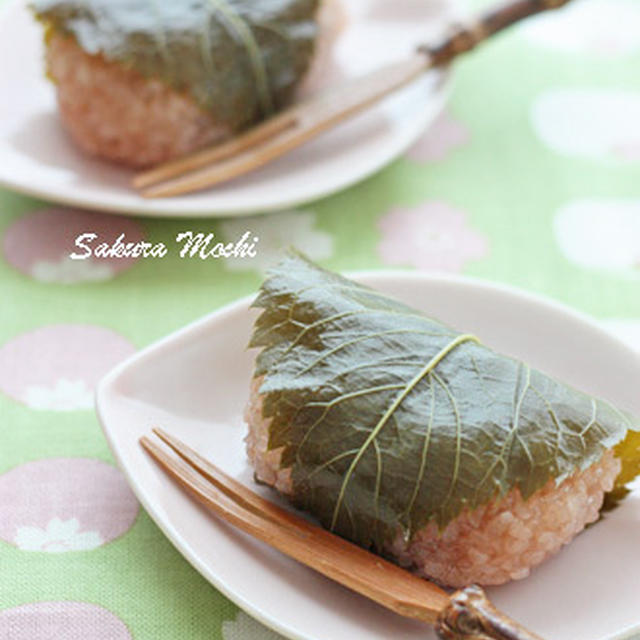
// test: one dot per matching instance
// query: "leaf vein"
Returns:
(428, 368)
(348, 343)
(240, 30)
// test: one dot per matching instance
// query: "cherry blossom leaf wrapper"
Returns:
(238, 60)
(389, 419)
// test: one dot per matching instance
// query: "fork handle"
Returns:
(465, 38)
(471, 616)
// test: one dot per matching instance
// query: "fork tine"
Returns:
(217, 152)
(244, 512)
(209, 495)
(225, 483)
(290, 541)
(231, 167)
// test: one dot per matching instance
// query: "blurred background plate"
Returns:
(37, 158)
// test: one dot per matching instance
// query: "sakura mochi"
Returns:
(419, 442)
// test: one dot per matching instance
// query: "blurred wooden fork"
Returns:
(306, 120)
(465, 615)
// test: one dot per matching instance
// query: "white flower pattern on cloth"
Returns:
(276, 233)
(245, 627)
(58, 537)
(600, 234)
(68, 271)
(598, 124)
(627, 330)
(64, 395)
(607, 28)
(433, 235)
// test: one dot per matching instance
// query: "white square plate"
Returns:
(195, 383)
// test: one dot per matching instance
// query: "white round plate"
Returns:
(195, 383)
(37, 157)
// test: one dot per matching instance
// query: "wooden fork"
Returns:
(303, 122)
(465, 615)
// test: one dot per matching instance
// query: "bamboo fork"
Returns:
(303, 122)
(465, 615)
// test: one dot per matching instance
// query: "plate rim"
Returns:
(163, 208)
(174, 535)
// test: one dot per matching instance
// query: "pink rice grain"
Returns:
(500, 541)
(115, 113)
(265, 462)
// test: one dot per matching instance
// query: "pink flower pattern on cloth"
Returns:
(431, 236)
(61, 621)
(39, 244)
(445, 135)
(56, 367)
(56, 505)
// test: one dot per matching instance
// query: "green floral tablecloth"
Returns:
(531, 177)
